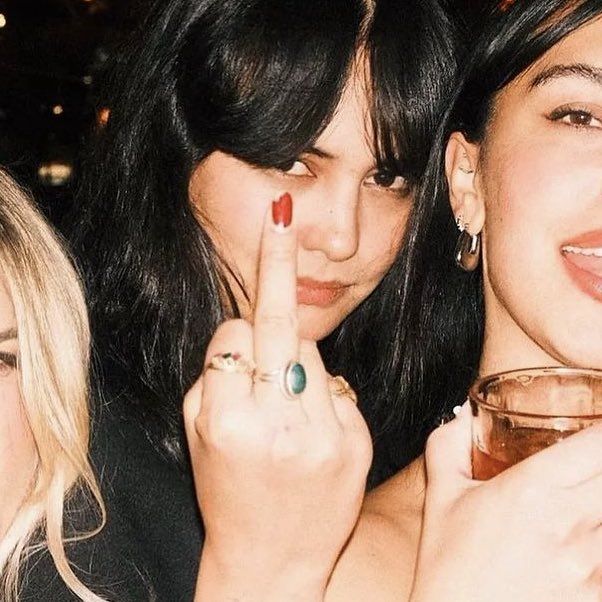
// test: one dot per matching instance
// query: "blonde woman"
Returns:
(44, 430)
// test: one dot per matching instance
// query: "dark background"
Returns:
(53, 55)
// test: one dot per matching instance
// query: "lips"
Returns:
(583, 260)
(319, 293)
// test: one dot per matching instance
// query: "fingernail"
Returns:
(282, 211)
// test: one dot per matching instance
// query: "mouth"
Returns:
(583, 261)
(319, 293)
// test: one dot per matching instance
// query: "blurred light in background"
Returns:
(55, 173)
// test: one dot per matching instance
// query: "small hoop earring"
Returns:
(468, 248)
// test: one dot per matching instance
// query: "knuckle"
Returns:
(231, 328)
(434, 443)
(328, 455)
(227, 431)
(278, 321)
(279, 254)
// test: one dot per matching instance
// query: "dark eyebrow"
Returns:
(583, 70)
(314, 150)
(10, 333)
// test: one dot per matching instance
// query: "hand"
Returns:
(531, 533)
(279, 481)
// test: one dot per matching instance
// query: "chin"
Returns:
(315, 323)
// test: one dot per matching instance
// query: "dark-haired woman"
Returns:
(219, 108)
(519, 160)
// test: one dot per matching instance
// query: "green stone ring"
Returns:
(291, 379)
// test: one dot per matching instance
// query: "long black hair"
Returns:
(260, 80)
(442, 322)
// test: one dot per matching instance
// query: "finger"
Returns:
(275, 336)
(191, 411)
(449, 449)
(316, 400)
(222, 387)
(583, 504)
(570, 461)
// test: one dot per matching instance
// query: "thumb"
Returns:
(448, 451)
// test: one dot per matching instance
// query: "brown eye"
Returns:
(294, 168)
(579, 118)
(8, 362)
(386, 179)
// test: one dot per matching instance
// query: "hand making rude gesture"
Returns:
(279, 449)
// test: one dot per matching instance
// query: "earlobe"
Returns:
(461, 161)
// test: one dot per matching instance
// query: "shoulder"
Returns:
(378, 562)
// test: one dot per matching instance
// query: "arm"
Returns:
(279, 481)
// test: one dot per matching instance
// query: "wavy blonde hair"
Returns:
(54, 341)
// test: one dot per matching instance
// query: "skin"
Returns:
(348, 222)
(538, 188)
(534, 185)
(349, 227)
(17, 450)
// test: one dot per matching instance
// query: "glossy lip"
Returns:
(587, 282)
(318, 292)
(589, 239)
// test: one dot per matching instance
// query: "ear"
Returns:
(466, 200)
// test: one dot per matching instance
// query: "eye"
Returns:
(295, 167)
(8, 362)
(575, 117)
(385, 178)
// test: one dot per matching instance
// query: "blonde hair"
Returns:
(54, 340)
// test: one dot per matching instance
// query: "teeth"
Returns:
(587, 251)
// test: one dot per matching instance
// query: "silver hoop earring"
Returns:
(468, 250)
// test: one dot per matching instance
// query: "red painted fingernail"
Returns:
(282, 211)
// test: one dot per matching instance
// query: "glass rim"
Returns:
(475, 391)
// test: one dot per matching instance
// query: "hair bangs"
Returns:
(514, 42)
(411, 70)
(269, 100)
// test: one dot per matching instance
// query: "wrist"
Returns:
(253, 579)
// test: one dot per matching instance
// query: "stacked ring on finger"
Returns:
(291, 379)
(338, 386)
(231, 362)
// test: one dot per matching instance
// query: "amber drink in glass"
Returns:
(516, 414)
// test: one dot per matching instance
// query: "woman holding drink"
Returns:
(519, 159)
(198, 147)
(533, 532)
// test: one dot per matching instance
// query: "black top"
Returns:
(150, 547)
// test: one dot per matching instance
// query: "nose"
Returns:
(330, 222)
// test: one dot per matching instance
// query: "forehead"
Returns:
(351, 125)
(7, 312)
(582, 46)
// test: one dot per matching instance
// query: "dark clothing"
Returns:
(149, 549)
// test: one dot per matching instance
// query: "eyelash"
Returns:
(560, 113)
(402, 190)
(8, 362)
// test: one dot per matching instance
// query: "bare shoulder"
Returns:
(378, 562)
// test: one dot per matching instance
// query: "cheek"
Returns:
(232, 211)
(382, 236)
(529, 201)
(17, 450)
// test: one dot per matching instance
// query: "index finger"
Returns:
(275, 338)
(569, 462)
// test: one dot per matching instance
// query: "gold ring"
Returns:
(231, 362)
(338, 386)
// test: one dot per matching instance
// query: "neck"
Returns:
(506, 346)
